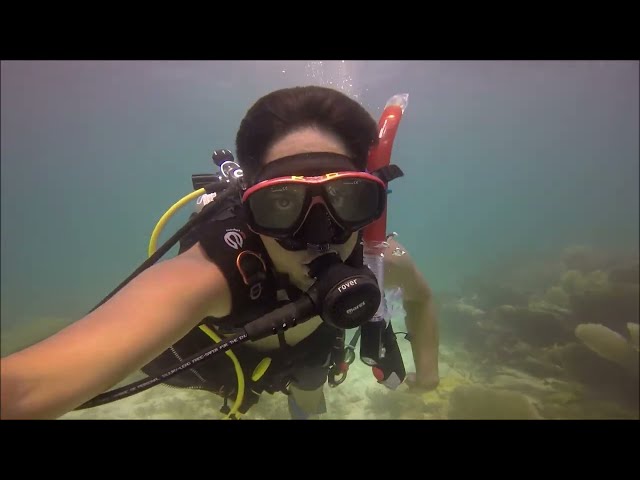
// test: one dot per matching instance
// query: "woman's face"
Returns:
(294, 262)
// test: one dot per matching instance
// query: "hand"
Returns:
(422, 384)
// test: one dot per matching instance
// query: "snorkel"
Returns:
(375, 349)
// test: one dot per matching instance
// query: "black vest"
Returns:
(255, 290)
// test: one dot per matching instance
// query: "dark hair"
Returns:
(283, 111)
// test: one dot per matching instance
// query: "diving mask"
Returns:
(295, 201)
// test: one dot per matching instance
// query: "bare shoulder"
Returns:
(401, 271)
(397, 256)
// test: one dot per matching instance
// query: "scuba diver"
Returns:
(285, 253)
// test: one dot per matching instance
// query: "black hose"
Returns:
(146, 383)
(280, 319)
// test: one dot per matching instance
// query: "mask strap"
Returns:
(308, 164)
(388, 173)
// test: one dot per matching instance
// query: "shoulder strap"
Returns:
(241, 257)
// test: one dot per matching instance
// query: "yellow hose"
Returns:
(153, 242)
(240, 375)
(152, 248)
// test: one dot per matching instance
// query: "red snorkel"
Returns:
(378, 347)
(380, 156)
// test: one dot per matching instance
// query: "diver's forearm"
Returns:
(422, 326)
(54, 376)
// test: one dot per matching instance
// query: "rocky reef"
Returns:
(569, 345)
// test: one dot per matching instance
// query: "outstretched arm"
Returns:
(152, 312)
(421, 319)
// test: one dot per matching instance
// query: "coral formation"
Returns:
(609, 345)
(579, 328)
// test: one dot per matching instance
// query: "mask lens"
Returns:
(354, 200)
(277, 206)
